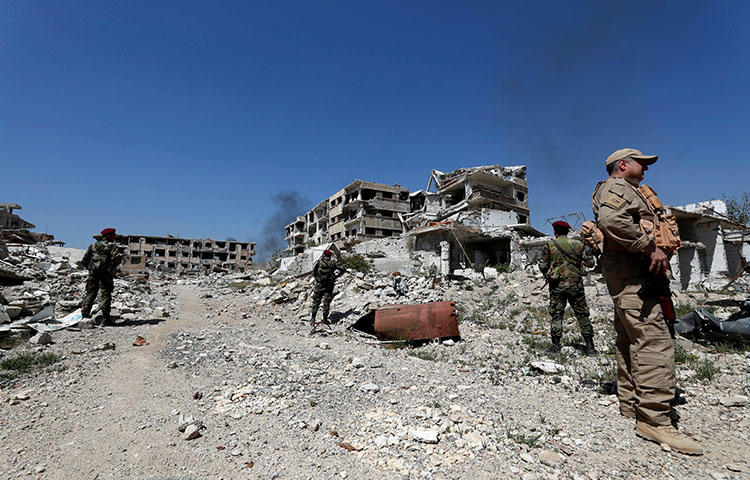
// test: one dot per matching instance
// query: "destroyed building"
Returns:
(472, 217)
(714, 248)
(179, 254)
(468, 218)
(361, 210)
(11, 221)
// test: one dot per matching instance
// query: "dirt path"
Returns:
(116, 420)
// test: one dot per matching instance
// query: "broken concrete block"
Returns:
(192, 432)
(425, 436)
(41, 338)
(13, 311)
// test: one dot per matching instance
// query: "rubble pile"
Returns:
(43, 287)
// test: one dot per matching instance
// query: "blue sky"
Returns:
(187, 117)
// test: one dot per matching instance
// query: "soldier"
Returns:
(562, 263)
(644, 348)
(325, 272)
(101, 260)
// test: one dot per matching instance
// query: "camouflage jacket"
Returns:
(326, 270)
(102, 257)
(555, 265)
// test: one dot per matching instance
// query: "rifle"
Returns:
(657, 286)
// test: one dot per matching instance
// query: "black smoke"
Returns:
(289, 204)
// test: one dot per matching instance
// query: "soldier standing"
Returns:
(562, 263)
(644, 348)
(325, 272)
(101, 260)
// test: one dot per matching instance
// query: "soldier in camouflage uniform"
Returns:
(101, 260)
(562, 264)
(325, 272)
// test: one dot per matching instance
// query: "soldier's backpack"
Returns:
(666, 233)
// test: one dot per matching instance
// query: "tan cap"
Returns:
(632, 153)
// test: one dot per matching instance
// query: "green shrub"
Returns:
(705, 370)
(357, 263)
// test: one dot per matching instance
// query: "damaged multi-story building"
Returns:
(466, 218)
(11, 221)
(360, 211)
(181, 254)
(714, 248)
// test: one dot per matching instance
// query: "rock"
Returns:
(369, 388)
(548, 367)
(474, 440)
(449, 343)
(381, 441)
(425, 436)
(85, 324)
(734, 401)
(4, 317)
(41, 338)
(357, 362)
(527, 457)
(159, 312)
(21, 396)
(191, 432)
(550, 458)
(324, 346)
(13, 311)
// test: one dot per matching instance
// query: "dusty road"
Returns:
(278, 403)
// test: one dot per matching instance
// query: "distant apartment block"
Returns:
(179, 254)
(362, 210)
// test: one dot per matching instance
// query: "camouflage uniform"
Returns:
(325, 274)
(566, 283)
(644, 348)
(101, 259)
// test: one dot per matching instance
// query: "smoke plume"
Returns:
(288, 205)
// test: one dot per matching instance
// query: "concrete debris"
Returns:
(191, 432)
(548, 367)
(735, 401)
(41, 338)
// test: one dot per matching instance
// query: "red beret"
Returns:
(327, 253)
(108, 231)
(561, 224)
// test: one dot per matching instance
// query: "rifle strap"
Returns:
(562, 250)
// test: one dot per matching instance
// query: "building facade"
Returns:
(181, 254)
(360, 211)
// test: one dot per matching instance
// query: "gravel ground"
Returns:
(268, 400)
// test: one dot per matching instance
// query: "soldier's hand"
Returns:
(659, 261)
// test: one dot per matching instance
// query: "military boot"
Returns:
(555, 347)
(590, 348)
(667, 434)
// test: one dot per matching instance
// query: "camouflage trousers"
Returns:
(322, 292)
(560, 294)
(102, 283)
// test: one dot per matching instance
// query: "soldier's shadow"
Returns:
(336, 317)
(135, 323)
